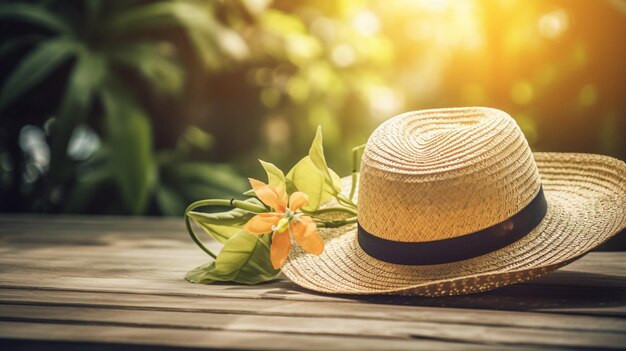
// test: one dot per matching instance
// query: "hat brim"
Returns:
(586, 197)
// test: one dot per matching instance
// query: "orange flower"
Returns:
(287, 219)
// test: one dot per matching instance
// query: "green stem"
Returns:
(355, 167)
(244, 205)
(336, 223)
(345, 201)
(197, 240)
(331, 210)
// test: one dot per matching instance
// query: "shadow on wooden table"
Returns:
(562, 290)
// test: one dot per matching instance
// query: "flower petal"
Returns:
(298, 200)
(307, 220)
(262, 223)
(305, 234)
(255, 184)
(279, 251)
(282, 194)
(272, 196)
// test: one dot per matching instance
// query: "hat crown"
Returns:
(438, 174)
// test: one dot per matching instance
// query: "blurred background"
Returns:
(140, 107)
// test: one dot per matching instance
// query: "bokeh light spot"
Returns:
(32, 141)
(263, 76)
(277, 131)
(366, 23)
(83, 143)
(233, 44)
(343, 55)
(588, 95)
(301, 48)
(256, 6)
(553, 24)
(522, 93)
(324, 28)
(384, 102)
(270, 97)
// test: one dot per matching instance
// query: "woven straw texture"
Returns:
(444, 173)
(586, 197)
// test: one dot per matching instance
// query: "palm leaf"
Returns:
(13, 44)
(129, 135)
(195, 18)
(39, 63)
(160, 71)
(35, 14)
(158, 14)
(83, 84)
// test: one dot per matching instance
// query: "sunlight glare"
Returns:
(366, 23)
(553, 24)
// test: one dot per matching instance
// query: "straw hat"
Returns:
(453, 201)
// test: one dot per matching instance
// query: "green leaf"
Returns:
(220, 233)
(307, 178)
(244, 259)
(335, 180)
(129, 135)
(247, 258)
(222, 225)
(196, 18)
(205, 274)
(204, 46)
(195, 138)
(312, 176)
(275, 176)
(35, 14)
(159, 70)
(316, 152)
(83, 84)
(161, 13)
(35, 67)
(236, 217)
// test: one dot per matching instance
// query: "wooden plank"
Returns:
(94, 336)
(195, 304)
(158, 270)
(521, 298)
(327, 326)
(136, 261)
(62, 277)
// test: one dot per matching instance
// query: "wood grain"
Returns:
(78, 283)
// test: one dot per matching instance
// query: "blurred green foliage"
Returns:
(140, 107)
(99, 43)
(119, 63)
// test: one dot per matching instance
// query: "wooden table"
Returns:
(94, 283)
